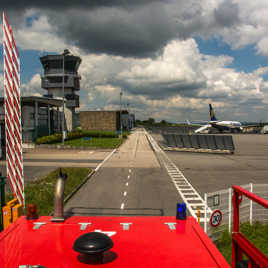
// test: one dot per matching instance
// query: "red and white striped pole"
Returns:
(13, 130)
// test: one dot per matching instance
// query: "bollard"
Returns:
(198, 216)
(2, 198)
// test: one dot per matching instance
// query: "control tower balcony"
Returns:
(57, 66)
(53, 64)
(55, 81)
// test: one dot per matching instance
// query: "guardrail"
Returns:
(212, 142)
(240, 244)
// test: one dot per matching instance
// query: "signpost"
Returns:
(12, 104)
(215, 218)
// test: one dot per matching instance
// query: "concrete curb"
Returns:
(68, 147)
(52, 146)
(193, 150)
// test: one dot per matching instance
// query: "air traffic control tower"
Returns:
(55, 68)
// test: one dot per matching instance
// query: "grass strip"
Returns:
(107, 143)
(257, 233)
(41, 192)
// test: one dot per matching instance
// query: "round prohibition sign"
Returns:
(215, 218)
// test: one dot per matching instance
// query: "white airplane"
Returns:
(233, 126)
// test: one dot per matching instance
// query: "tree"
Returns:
(138, 122)
(151, 121)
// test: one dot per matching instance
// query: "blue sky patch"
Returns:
(29, 20)
(245, 59)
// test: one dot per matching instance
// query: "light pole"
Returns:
(121, 93)
(128, 125)
(66, 52)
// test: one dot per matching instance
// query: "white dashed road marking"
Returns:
(122, 206)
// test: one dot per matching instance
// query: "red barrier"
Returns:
(241, 245)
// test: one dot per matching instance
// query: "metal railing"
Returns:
(222, 200)
(240, 244)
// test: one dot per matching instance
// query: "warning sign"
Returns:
(215, 218)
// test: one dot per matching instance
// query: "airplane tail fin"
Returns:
(211, 113)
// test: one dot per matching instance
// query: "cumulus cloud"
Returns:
(136, 28)
(39, 36)
(147, 50)
(125, 28)
(226, 14)
(166, 86)
(175, 72)
(32, 88)
(252, 27)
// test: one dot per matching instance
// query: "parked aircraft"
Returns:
(233, 126)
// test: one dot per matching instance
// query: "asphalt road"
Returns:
(131, 182)
(39, 162)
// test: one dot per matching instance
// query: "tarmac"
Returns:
(131, 182)
(209, 172)
(39, 162)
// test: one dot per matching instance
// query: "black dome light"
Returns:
(93, 243)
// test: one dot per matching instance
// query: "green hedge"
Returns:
(76, 135)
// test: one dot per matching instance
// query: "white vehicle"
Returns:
(264, 130)
(233, 126)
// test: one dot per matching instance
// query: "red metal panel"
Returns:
(251, 196)
(149, 242)
(250, 250)
(240, 245)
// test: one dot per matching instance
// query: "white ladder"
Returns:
(189, 195)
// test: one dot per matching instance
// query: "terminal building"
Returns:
(40, 116)
(43, 115)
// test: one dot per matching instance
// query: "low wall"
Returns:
(212, 142)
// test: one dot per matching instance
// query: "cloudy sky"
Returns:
(169, 58)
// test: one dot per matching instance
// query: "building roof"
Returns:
(111, 111)
(42, 101)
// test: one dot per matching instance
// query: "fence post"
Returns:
(250, 205)
(230, 210)
(205, 212)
